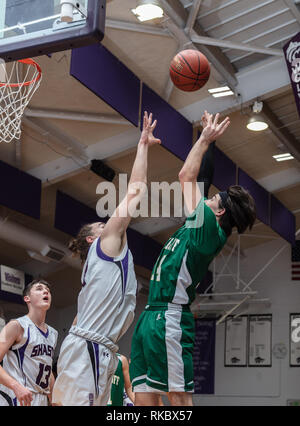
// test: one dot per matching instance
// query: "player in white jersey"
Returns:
(27, 347)
(106, 303)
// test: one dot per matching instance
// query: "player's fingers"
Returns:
(224, 128)
(216, 119)
(145, 119)
(154, 125)
(150, 119)
(223, 123)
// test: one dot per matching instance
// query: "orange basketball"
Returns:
(189, 70)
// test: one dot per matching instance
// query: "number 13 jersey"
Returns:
(30, 361)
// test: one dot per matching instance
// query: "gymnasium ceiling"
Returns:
(65, 125)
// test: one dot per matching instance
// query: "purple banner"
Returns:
(292, 57)
(224, 172)
(204, 356)
(283, 221)
(20, 191)
(260, 195)
(106, 76)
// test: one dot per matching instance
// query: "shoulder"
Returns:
(124, 361)
(202, 218)
(13, 330)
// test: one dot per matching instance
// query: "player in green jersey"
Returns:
(163, 340)
(121, 389)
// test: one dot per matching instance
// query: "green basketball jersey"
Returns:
(117, 386)
(185, 258)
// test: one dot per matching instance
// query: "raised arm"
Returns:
(189, 173)
(206, 173)
(113, 237)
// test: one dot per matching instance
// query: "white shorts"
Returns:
(84, 373)
(8, 399)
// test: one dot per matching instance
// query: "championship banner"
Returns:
(236, 335)
(204, 356)
(12, 280)
(292, 57)
(260, 340)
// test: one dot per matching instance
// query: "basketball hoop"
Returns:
(17, 86)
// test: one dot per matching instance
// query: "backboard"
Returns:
(31, 28)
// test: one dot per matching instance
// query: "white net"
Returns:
(19, 81)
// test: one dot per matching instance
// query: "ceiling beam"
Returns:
(194, 37)
(75, 116)
(192, 16)
(179, 17)
(232, 45)
(132, 26)
(294, 9)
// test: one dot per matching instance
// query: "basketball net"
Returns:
(18, 82)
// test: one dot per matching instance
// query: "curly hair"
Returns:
(240, 210)
(79, 245)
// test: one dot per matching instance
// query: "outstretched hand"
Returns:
(211, 128)
(147, 136)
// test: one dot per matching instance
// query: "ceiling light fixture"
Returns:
(147, 10)
(283, 157)
(256, 123)
(219, 89)
(219, 92)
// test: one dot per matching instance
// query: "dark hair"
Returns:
(27, 289)
(79, 245)
(240, 210)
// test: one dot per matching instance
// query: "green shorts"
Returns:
(162, 350)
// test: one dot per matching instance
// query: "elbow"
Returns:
(182, 175)
(185, 176)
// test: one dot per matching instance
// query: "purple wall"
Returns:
(20, 191)
(260, 195)
(282, 220)
(102, 73)
(225, 171)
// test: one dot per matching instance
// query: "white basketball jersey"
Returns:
(2, 323)
(30, 361)
(107, 300)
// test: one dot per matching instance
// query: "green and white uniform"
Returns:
(117, 386)
(163, 340)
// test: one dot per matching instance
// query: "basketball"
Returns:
(189, 70)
